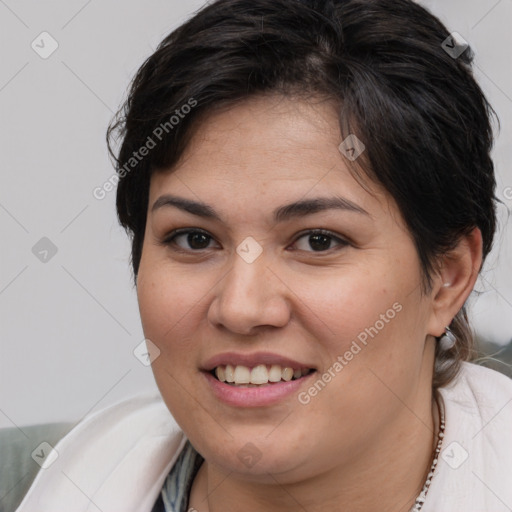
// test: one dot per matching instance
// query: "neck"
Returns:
(388, 476)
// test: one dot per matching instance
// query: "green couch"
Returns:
(17, 467)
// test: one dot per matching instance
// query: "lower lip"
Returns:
(254, 396)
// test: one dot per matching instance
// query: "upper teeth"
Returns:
(260, 374)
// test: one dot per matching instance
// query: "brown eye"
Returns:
(318, 241)
(189, 240)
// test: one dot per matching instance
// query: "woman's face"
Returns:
(250, 283)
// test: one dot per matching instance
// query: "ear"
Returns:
(455, 280)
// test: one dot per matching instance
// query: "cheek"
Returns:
(368, 316)
(170, 301)
(343, 304)
(171, 310)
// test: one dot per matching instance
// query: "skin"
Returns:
(365, 441)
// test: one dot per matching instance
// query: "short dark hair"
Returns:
(423, 118)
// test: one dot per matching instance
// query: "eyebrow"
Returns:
(281, 214)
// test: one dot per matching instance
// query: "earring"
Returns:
(448, 339)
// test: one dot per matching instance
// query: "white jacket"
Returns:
(117, 459)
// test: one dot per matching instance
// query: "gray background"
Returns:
(69, 324)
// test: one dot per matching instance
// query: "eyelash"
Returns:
(170, 240)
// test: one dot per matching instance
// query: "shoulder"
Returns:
(474, 371)
(474, 468)
(146, 412)
(479, 401)
(116, 458)
(479, 387)
(122, 425)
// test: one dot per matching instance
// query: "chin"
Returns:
(254, 455)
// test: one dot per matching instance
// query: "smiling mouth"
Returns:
(257, 376)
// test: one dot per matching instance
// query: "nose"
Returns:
(249, 298)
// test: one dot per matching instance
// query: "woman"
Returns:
(310, 194)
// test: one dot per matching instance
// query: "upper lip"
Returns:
(252, 360)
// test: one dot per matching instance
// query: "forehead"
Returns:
(268, 146)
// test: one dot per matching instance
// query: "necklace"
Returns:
(420, 500)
